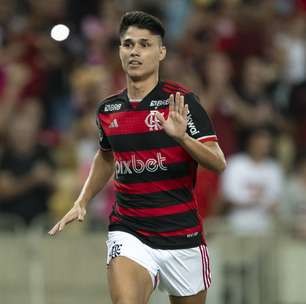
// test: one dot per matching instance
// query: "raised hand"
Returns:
(77, 212)
(176, 123)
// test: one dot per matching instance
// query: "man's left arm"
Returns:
(207, 154)
(189, 124)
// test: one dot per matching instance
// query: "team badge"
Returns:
(152, 122)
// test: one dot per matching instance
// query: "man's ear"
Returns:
(119, 50)
(163, 52)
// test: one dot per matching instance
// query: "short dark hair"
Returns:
(141, 20)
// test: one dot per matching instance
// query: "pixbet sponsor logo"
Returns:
(138, 166)
(190, 124)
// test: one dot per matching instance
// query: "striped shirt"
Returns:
(154, 175)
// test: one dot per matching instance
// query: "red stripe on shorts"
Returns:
(208, 273)
(203, 267)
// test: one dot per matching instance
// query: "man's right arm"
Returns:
(101, 170)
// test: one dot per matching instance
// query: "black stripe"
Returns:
(154, 199)
(162, 242)
(163, 223)
(174, 171)
(141, 141)
(172, 242)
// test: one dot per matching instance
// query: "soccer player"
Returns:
(152, 136)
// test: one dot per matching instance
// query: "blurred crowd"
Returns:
(245, 59)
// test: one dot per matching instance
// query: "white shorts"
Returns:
(180, 272)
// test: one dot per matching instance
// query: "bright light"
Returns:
(60, 32)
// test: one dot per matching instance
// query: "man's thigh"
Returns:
(129, 282)
(199, 298)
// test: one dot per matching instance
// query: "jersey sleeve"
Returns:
(199, 125)
(103, 140)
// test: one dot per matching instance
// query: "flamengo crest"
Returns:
(152, 122)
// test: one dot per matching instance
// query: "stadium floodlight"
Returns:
(60, 32)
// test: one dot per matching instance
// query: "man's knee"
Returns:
(130, 297)
(127, 300)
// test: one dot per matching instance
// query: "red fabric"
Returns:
(206, 189)
(225, 128)
(134, 104)
(156, 186)
(301, 5)
(128, 124)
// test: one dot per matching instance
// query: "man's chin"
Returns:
(139, 76)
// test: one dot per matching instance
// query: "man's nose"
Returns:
(135, 51)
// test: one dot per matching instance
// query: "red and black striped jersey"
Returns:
(154, 175)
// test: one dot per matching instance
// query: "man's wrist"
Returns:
(80, 203)
(183, 139)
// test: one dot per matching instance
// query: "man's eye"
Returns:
(127, 44)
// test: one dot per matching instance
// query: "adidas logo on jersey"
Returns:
(113, 124)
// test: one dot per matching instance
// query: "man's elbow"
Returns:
(220, 165)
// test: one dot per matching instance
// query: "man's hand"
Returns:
(77, 212)
(176, 123)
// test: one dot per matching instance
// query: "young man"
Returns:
(152, 135)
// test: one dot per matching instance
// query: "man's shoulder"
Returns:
(111, 102)
(172, 87)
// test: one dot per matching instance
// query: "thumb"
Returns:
(160, 118)
(82, 213)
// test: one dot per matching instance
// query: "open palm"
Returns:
(77, 212)
(176, 123)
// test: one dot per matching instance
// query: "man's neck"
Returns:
(139, 89)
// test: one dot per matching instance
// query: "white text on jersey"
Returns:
(191, 126)
(137, 166)
(112, 107)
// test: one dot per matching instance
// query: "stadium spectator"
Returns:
(292, 45)
(26, 168)
(251, 186)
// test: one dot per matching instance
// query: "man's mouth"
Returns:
(135, 62)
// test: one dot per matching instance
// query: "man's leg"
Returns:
(199, 298)
(129, 282)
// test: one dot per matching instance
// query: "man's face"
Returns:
(140, 53)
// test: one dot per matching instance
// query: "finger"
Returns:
(160, 118)
(54, 230)
(181, 105)
(185, 112)
(62, 224)
(177, 101)
(171, 103)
